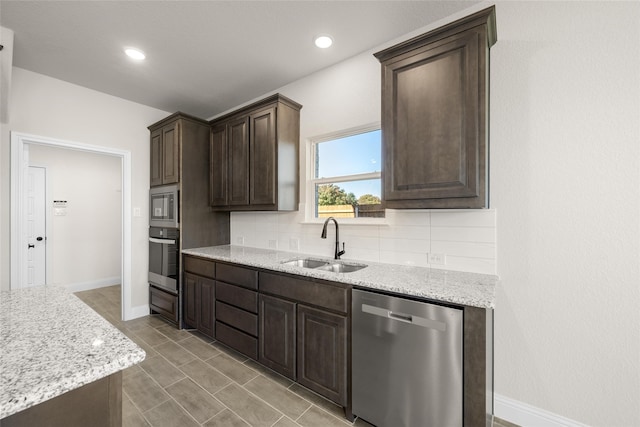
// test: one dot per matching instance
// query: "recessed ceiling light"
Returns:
(323, 41)
(134, 53)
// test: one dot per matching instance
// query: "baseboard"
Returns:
(526, 415)
(139, 311)
(94, 284)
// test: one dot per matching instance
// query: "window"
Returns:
(345, 180)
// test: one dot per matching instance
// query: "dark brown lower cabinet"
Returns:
(277, 337)
(163, 303)
(199, 294)
(322, 353)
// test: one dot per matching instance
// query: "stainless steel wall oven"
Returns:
(164, 258)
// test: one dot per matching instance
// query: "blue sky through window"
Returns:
(348, 156)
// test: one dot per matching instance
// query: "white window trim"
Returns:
(311, 181)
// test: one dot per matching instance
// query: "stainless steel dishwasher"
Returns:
(406, 362)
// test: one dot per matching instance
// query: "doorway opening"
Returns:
(19, 167)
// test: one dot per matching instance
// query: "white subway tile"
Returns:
(403, 258)
(405, 232)
(472, 265)
(464, 249)
(464, 234)
(464, 218)
(405, 245)
(411, 217)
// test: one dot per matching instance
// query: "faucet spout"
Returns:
(338, 252)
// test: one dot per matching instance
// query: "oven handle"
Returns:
(162, 241)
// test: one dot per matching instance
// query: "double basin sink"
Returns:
(333, 266)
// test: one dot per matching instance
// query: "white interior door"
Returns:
(36, 211)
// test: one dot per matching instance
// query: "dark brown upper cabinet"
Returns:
(165, 154)
(254, 157)
(435, 111)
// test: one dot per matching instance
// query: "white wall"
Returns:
(565, 186)
(565, 115)
(52, 108)
(85, 244)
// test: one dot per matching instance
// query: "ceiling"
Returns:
(203, 57)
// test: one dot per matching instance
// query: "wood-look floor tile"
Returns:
(316, 417)
(169, 414)
(133, 370)
(150, 352)
(151, 336)
(200, 348)
(230, 352)
(253, 410)
(205, 376)
(235, 370)
(134, 420)
(161, 370)
(197, 402)
(174, 353)
(286, 422)
(277, 396)
(318, 400)
(226, 418)
(273, 376)
(143, 391)
(173, 333)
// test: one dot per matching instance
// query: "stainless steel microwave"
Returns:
(163, 206)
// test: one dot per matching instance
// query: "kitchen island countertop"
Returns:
(52, 343)
(472, 289)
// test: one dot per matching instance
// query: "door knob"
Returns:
(31, 246)
(39, 239)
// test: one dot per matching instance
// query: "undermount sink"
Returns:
(324, 265)
(306, 263)
(342, 267)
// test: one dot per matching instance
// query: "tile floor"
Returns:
(190, 380)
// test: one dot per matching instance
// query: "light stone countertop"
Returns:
(472, 289)
(50, 343)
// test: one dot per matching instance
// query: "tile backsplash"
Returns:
(466, 239)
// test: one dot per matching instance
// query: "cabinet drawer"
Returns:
(237, 318)
(244, 343)
(163, 303)
(200, 266)
(235, 295)
(237, 275)
(311, 292)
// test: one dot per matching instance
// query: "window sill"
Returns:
(348, 221)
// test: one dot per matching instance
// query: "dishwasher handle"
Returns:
(406, 318)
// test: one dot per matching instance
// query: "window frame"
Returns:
(311, 181)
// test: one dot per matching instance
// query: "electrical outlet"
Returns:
(273, 244)
(437, 259)
(240, 240)
(137, 212)
(294, 244)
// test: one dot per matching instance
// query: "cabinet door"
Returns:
(263, 167)
(238, 174)
(156, 158)
(190, 298)
(434, 122)
(205, 304)
(171, 154)
(322, 353)
(218, 166)
(277, 335)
